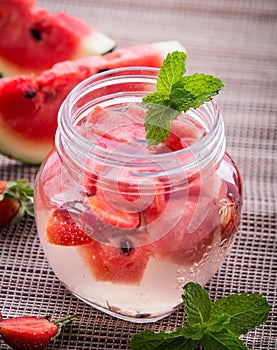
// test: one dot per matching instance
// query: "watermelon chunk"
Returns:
(32, 39)
(29, 104)
(122, 264)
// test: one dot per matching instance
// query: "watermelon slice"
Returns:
(29, 105)
(32, 39)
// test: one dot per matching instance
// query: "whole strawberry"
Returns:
(30, 332)
(16, 198)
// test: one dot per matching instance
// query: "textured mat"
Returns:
(235, 40)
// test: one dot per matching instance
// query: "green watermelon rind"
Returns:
(30, 151)
(14, 145)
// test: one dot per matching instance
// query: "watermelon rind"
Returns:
(16, 146)
(95, 44)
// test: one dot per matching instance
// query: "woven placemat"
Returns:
(235, 40)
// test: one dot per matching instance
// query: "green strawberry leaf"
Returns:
(19, 190)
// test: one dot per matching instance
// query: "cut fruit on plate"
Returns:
(29, 34)
(29, 105)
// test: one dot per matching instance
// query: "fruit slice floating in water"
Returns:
(122, 263)
(120, 259)
(29, 34)
(29, 105)
(183, 133)
(112, 215)
(62, 230)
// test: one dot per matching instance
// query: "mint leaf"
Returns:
(171, 72)
(155, 98)
(194, 332)
(175, 92)
(150, 340)
(213, 326)
(223, 340)
(245, 311)
(217, 322)
(157, 123)
(179, 98)
(197, 302)
(203, 87)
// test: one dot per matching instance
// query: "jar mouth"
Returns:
(87, 94)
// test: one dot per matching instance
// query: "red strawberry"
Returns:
(16, 198)
(62, 230)
(30, 332)
(111, 215)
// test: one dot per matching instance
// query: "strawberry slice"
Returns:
(62, 230)
(30, 332)
(111, 215)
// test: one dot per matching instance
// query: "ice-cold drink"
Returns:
(124, 225)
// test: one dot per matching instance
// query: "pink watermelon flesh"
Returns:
(32, 39)
(122, 264)
(29, 105)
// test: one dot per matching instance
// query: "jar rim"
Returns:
(202, 148)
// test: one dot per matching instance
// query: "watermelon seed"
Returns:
(36, 34)
(126, 247)
(111, 50)
(30, 94)
(1, 75)
(103, 70)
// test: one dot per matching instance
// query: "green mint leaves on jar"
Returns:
(175, 93)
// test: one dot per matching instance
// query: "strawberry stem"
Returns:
(60, 323)
(65, 320)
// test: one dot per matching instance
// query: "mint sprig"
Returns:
(212, 325)
(175, 93)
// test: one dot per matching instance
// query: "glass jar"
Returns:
(123, 225)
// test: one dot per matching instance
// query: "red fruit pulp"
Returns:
(31, 33)
(130, 224)
(8, 210)
(62, 230)
(27, 332)
(123, 264)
